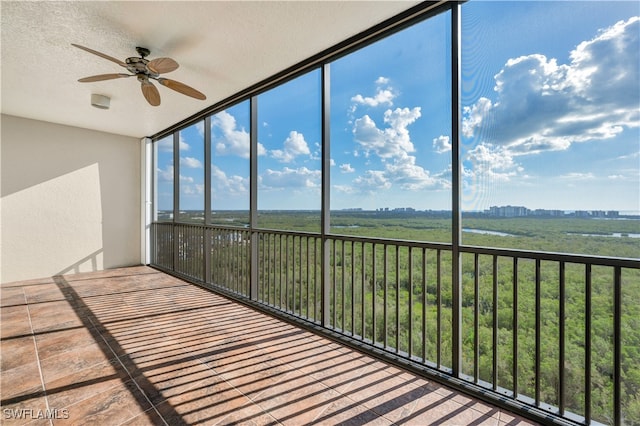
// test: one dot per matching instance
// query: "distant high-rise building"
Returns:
(508, 211)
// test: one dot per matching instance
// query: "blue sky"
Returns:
(551, 116)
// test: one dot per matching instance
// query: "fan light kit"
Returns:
(100, 101)
(145, 71)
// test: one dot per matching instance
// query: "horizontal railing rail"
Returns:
(554, 332)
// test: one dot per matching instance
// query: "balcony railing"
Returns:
(515, 341)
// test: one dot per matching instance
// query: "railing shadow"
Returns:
(109, 349)
(76, 267)
(195, 356)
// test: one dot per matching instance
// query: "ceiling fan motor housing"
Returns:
(139, 66)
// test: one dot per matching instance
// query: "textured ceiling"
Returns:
(222, 47)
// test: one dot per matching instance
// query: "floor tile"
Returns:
(26, 411)
(385, 394)
(251, 377)
(44, 293)
(56, 315)
(135, 346)
(336, 369)
(348, 412)
(73, 388)
(511, 419)
(27, 283)
(249, 414)
(432, 408)
(210, 401)
(60, 341)
(17, 352)
(14, 321)
(151, 417)
(298, 399)
(74, 362)
(11, 296)
(170, 380)
(20, 382)
(113, 406)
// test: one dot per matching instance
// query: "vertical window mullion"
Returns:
(176, 196)
(206, 249)
(253, 197)
(456, 281)
(325, 207)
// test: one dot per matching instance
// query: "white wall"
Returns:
(70, 200)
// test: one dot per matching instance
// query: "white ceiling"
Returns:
(222, 47)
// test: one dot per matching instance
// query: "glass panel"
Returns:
(391, 136)
(230, 166)
(192, 173)
(289, 160)
(551, 157)
(163, 178)
(550, 126)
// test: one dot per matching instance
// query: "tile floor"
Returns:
(135, 346)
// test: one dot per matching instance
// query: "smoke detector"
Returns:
(100, 101)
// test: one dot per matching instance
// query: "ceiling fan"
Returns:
(145, 71)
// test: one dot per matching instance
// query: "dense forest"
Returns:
(399, 296)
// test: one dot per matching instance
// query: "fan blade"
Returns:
(102, 55)
(103, 77)
(182, 88)
(162, 65)
(150, 93)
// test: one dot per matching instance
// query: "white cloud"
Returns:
(166, 174)
(345, 189)
(393, 145)
(197, 189)
(631, 156)
(200, 127)
(182, 145)
(410, 176)
(223, 184)
(578, 176)
(492, 162)
(189, 187)
(391, 142)
(372, 181)
(473, 115)
(290, 178)
(383, 96)
(166, 144)
(294, 146)
(346, 168)
(190, 162)
(234, 141)
(542, 105)
(442, 144)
